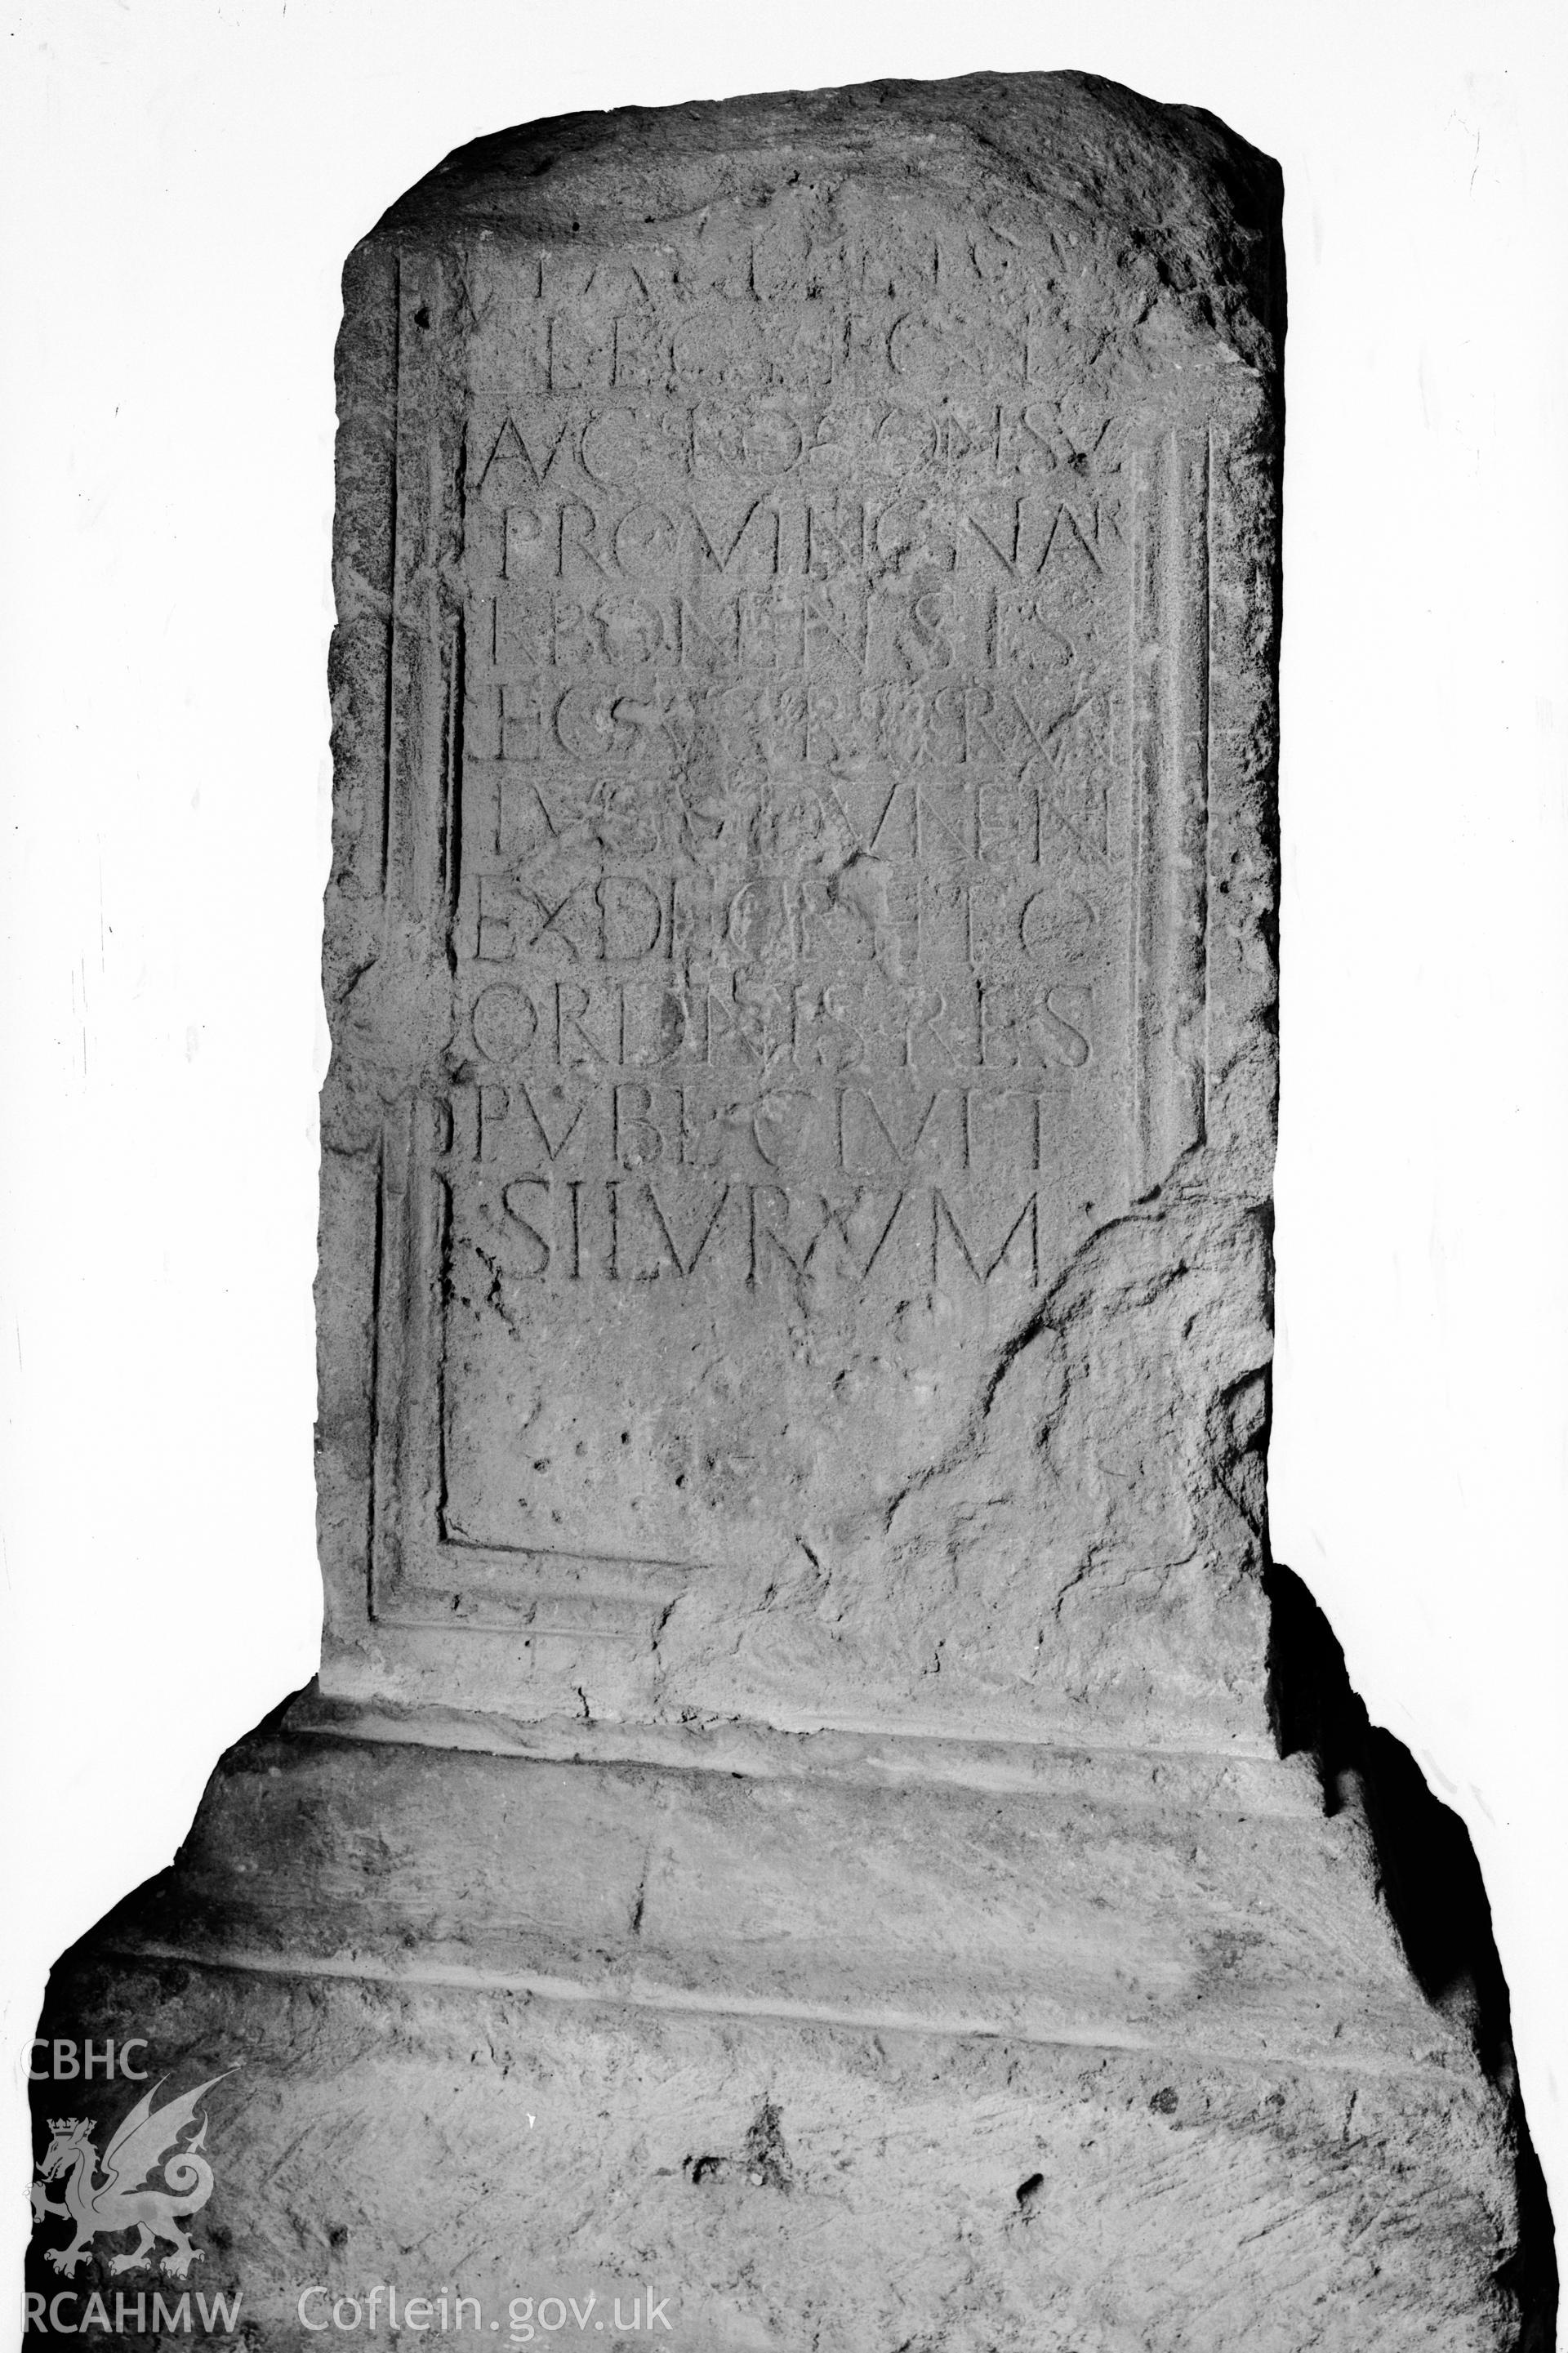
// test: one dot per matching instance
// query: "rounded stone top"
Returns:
(1166, 193)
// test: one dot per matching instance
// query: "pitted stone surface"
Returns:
(800, 941)
(1258, 2206)
(818, 1807)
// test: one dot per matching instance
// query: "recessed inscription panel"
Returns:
(813, 984)
(791, 944)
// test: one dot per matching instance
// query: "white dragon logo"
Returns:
(124, 2199)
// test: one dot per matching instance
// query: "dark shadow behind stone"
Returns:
(1429, 1879)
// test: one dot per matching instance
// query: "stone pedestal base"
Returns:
(1122, 2052)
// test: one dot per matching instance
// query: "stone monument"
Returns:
(820, 1825)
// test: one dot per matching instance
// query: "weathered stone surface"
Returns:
(816, 1798)
(800, 935)
(1254, 2204)
(988, 2045)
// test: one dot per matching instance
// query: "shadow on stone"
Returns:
(1431, 1882)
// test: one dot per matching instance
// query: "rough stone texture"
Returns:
(816, 1798)
(800, 935)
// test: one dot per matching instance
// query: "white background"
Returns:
(180, 183)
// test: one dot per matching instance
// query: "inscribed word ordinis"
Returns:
(816, 1794)
(802, 919)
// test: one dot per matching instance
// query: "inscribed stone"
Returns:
(819, 1818)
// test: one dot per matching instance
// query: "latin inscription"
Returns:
(796, 634)
(792, 873)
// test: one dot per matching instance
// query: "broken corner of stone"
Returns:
(819, 1820)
